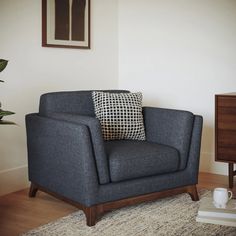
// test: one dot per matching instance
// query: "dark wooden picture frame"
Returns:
(66, 23)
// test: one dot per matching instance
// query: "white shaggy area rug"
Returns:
(172, 216)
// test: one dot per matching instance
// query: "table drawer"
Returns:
(226, 138)
(226, 101)
(226, 154)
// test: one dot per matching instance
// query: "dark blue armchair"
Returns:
(68, 158)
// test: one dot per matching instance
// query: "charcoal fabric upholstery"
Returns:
(135, 159)
(64, 151)
(77, 102)
(96, 138)
(170, 127)
(66, 105)
(194, 149)
(60, 158)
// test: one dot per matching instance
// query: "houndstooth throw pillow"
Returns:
(120, 115)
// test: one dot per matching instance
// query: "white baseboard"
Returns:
(208, 164)
(14, 179)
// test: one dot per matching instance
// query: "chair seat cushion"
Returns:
(129, 159)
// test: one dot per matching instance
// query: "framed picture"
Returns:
(66, 23)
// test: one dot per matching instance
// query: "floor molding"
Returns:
(13, 179)
(209, 165)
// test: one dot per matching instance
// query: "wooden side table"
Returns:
(225, 132)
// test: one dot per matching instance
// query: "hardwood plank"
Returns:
(19, 213)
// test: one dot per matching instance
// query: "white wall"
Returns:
(180, 54)
(34, 70)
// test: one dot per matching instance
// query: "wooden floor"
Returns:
(18, 213)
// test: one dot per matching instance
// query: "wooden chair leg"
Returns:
(91, 215)
(192, 191)
(231, 175)
(33, 190)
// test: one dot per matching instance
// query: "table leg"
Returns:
(231, 175)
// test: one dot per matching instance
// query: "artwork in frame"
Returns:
(66, 23)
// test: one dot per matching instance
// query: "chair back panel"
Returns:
(76, 102)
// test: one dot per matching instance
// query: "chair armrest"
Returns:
(170, 127)
(60, 158)
(96, 137)
(195, 148)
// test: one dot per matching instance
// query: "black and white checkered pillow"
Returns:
(120, 115)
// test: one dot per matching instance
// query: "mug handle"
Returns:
(230, 194)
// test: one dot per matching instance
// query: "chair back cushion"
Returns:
(76, 102)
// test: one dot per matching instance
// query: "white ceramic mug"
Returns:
(221, 196)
